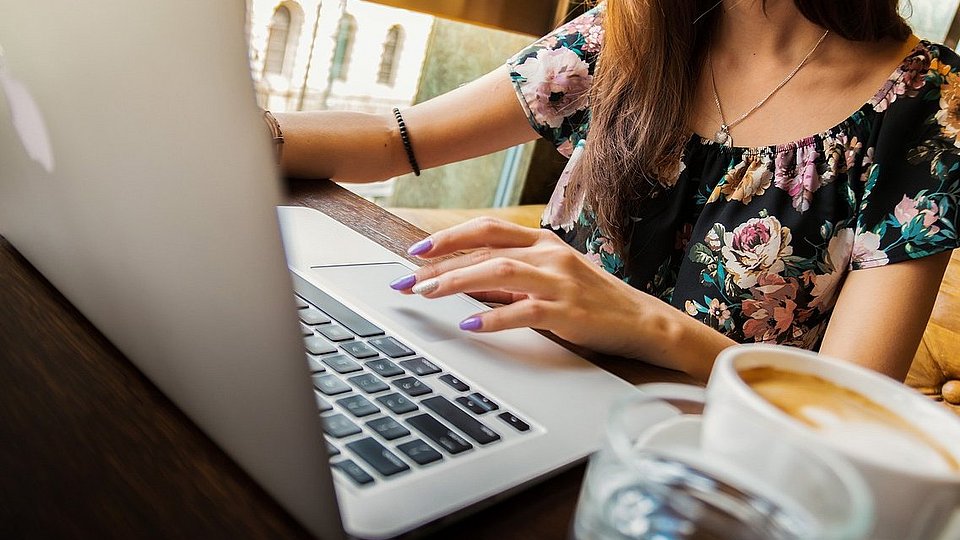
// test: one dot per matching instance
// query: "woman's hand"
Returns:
(545, 284)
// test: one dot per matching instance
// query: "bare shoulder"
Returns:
(860, 68)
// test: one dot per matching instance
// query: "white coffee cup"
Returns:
(913, 500)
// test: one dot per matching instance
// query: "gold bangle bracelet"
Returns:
(274, 126)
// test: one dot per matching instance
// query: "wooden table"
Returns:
(90, 448)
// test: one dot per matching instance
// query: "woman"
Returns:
(785, 171)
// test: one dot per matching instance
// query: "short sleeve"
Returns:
(911, 182)
(553, 77)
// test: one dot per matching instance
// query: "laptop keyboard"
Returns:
(376, 397)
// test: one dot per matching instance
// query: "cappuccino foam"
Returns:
(850, 420)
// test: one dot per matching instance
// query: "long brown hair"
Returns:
(645, 83)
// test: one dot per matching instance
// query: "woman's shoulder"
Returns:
(911, 183)
(931, 67)
(921, 78)
(941, 54)
(553, 77)
(582, 36)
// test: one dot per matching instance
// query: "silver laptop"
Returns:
(136, 175)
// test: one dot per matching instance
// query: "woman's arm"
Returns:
(877, 322)
(553, 287)
(478, 118)
(882, 312)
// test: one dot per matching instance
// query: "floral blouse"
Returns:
(756, 242)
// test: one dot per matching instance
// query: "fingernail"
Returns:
(472, 323)
(403, 283)
(420, 247)
(426, 287)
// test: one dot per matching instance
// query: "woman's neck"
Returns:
(778, 33)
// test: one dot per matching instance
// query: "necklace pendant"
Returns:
(722, 136)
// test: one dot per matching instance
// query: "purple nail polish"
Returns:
(403, 283)
(420, 247)
(472, 323)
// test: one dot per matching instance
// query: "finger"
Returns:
(476, 233)
(405, 283)
(497, 297)
(474, 258)
(527, 313)
(500, 274)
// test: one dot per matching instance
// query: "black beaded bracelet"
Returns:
(406, 142)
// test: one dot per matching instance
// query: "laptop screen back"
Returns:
(152, 210)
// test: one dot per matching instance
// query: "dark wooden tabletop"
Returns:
(90, 448)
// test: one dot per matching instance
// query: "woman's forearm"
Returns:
(360, 147)
(346, 146)
(688, 345)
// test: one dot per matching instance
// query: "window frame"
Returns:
(343, 47)
(275, 52)
(533, 17)
(390, 55)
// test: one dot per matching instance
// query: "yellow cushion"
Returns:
(434, 219)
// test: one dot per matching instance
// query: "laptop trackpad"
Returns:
(367, 286)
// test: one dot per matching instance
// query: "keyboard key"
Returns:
(342, 364)
(354, 471)
(317, 345)
(472, 405)
(359, 349)
(369, 383)
(322, 404)
(420, 452)
(517, 423)
(330, 385)
(384, 367)
(397, 403)
(300, 302)
(332, 450)
(343, 315)
(412, 387)
(474, 429)
(439, 433)
(358, 406)
(384, 461)
(306, 330)
(484, 402)
(419, 366)
(311, 316)
(315, 365)
(335, 333)
(339, 426)
(388, 428)
(454, 383)
(390, 347)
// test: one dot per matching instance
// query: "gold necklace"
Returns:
(722, 136)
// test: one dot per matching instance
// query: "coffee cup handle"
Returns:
(687, 398)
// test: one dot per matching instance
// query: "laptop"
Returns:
(136, 175)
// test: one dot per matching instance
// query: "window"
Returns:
(341, 54)
(402, 57)
(931, 19)
(391, 55)
(277, 41)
